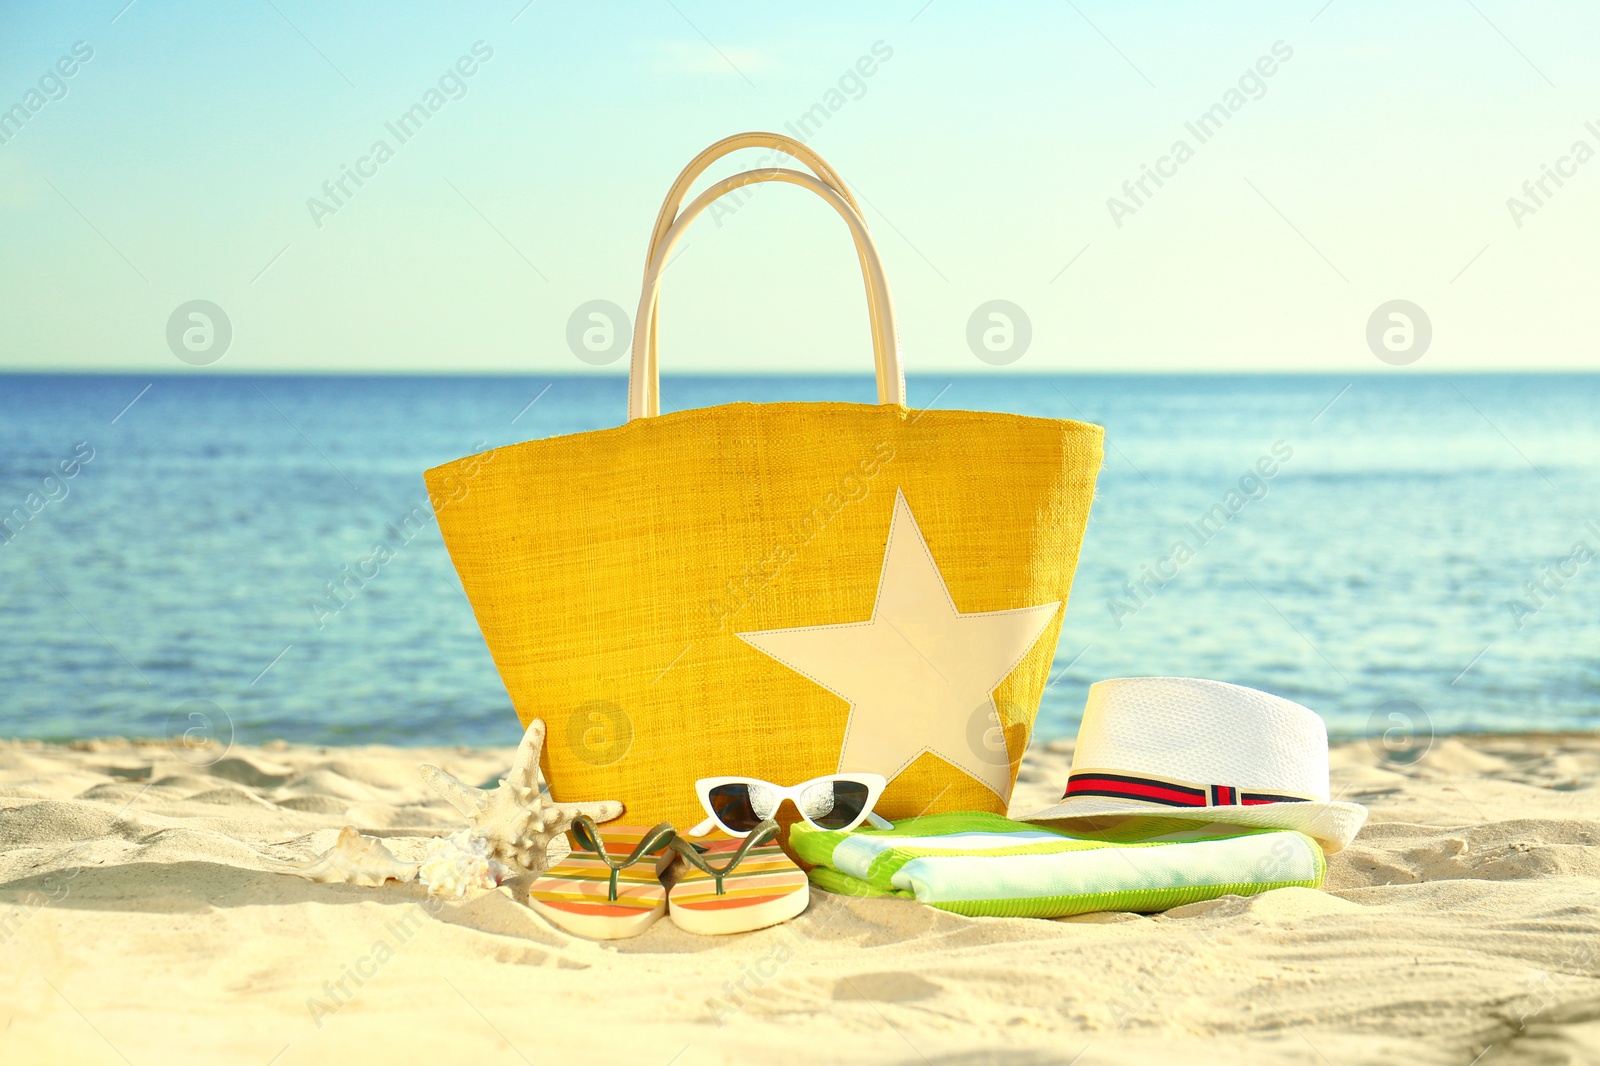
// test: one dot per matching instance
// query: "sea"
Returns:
(1422, 559)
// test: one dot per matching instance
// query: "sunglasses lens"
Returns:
(834, 804)
(740, 806)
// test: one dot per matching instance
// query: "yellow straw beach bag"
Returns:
(778, 591)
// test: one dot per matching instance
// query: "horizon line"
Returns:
(623, 376)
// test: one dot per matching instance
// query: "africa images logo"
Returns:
(1202, 128)
(337, 191)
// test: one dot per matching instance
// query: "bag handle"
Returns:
(644, 379)
(757, 139)
(644, 395)
(696, 167)
(680, 188)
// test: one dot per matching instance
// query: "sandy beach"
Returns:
(140, 924)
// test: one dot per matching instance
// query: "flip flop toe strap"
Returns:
(587, 834)
(693, 856)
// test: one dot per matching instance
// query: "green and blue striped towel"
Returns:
(980, 864)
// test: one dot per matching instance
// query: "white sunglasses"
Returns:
(835, 802)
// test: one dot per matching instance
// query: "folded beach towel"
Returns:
(981, 864)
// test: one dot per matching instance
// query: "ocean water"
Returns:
(1423, 543)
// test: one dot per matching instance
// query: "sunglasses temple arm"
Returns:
(879, 823)
(704, 827)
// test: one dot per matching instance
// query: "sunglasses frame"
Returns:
(875, 783)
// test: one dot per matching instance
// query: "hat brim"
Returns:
(1333, 825)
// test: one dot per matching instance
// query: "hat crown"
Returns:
(1204, 732)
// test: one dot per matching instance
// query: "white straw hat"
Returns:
(1181, 747)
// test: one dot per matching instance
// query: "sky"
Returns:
(1358, 154)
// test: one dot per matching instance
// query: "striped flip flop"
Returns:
(734, 886)
(609, 887)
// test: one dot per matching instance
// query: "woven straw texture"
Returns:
(610, 571)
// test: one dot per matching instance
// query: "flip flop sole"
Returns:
(765, 889)
(574, 894)
(598, 922)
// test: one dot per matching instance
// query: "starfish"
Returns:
(515, 819)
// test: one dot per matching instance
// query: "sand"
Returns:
(139, 924)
